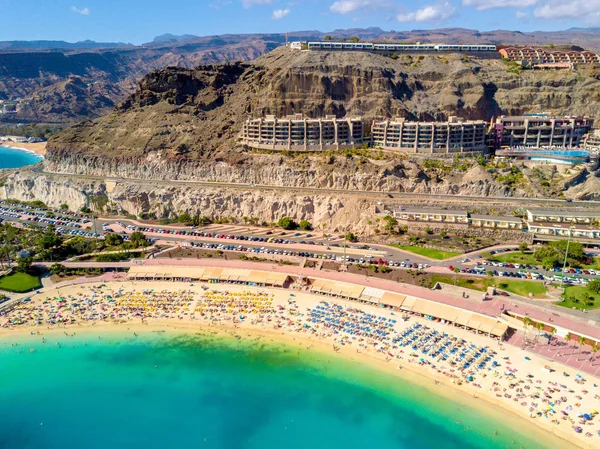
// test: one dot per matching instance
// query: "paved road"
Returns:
(398, 196)
(331, 245)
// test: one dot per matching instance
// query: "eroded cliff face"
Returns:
(337, 212)
(313, 172)
(183, 124)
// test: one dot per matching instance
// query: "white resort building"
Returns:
(453, 136)
(495, 222)
(299, 133)
(542, 130)
(558, 216)
(432, 215)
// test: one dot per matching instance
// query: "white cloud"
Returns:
(83, 12)
(482, 5)
(520, 15)
(586, 11)
(250, 3)
(218, 4)
(439, 12)
(583, 11)
(280, 14)
(348, 6)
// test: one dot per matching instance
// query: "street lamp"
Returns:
(562, 278)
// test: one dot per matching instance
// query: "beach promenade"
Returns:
(560, 351)
(491, 307)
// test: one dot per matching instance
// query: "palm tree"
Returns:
(552, 332)
(527, 322)
(594, 350)
(581, 341)
(568, 338)
(540, 327)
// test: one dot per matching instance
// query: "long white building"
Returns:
(542, 130)
(397, 48)
(453, 136)
(298, 133)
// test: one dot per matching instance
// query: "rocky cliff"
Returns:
(327, 211)
(182, 124)
(324, 209)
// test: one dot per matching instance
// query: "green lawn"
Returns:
(574, 297)
(19, 283)
(513, 258)
(518, 287)
(480, 284)
(427, 252)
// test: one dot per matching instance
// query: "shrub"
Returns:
(305, 225)
(350, 237)
(594, 286)
(287, 223)
(113, 239)
(115, 257)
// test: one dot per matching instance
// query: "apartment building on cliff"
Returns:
(535, 56)
(541, 130)
(453, 136)
(299, 133)
(536, 137)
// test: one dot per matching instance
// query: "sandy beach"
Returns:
(37, 147)
(547, 400)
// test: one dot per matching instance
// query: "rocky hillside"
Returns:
(35, 77)
(326, 210)
(183, 124)
(69, 100)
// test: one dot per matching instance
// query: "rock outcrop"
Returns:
(327, 211)
(183, 124)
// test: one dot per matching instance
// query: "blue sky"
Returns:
(139, 21)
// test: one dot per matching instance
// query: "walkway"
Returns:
(559, 351)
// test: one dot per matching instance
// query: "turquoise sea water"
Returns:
(11, 158)
(184, 391)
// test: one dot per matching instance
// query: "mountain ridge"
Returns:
(28, 74)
